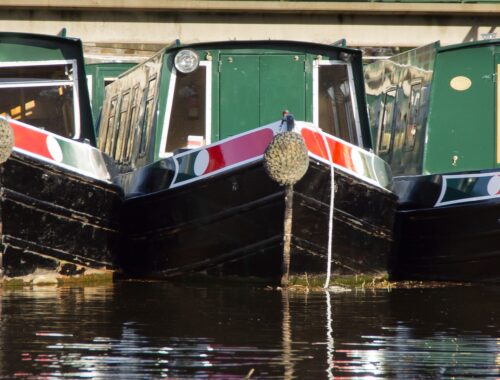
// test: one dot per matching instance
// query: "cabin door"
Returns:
(461, 119)
(255, 90)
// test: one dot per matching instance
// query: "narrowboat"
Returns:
(434, 112)
(190, 130)
(59, 210)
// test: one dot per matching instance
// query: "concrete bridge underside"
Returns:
(134, 28)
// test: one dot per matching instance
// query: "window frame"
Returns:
(148, 115)
(381, 127)
(123, 118)
(47, 83)
(110, 128)
(129, 138)
(408, 147)
(170, 100)
(317, 63)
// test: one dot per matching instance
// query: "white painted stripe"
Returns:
(168, 114)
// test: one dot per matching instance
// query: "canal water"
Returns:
(148, 330)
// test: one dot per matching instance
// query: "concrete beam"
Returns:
(283, 7)
(133, 28)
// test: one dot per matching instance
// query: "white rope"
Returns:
(330, 347)
(332, 204)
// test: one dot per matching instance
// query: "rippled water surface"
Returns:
(146, 330)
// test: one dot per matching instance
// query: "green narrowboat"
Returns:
(191, 131)
(57, 201)
(434, 112)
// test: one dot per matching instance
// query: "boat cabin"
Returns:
(435, 109)
(42, 83)
(188, 96)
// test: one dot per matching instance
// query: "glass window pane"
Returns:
(413, 118)
(148, 117)
(386, 124)
(132, 120)
(47, 107)
(187, 121)
(122, 125)
(336, 114)
(36, 73)
(110, 127)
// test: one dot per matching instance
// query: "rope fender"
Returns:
(6, 140)
(286, 158)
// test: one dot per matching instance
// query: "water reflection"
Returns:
(151, 330)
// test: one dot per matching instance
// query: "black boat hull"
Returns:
(459, 243)
(232, 224)
(456, 240)
(55, 220)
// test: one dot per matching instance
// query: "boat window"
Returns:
(414, 112)
(335, 102)
(110, 126)
(122, 125)
(148, 117)
(129, 130)
(386, 125)
(41, 94)
(188, 116)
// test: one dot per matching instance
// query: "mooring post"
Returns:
(287, 235)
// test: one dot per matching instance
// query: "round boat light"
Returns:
(186, 61)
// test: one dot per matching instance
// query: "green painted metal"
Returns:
(254, 90)
(461, 133)
(239, 94)
(282, 87)
(14, 49)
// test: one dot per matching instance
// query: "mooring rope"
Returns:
(330, 346)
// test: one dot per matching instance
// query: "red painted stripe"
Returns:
(238, 149)
(340, 152)
(30, 140)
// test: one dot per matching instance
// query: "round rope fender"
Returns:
(6, 140)
(286, 158)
